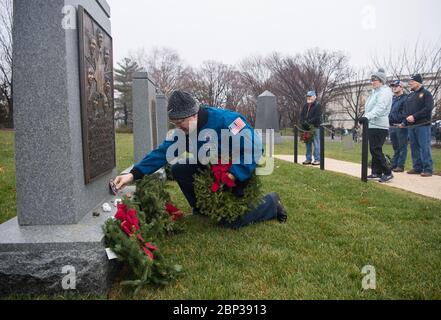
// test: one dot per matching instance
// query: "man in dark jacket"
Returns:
(311, 118)
(418, 112)
(398, 136)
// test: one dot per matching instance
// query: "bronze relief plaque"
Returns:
(97, 99)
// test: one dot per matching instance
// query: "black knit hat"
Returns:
(181, 105)
(417, 77)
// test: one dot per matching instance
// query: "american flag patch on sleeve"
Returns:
(237, 126)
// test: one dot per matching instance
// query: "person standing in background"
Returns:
(377, 111)
(418, 113)
(311, 116)
(398, 136)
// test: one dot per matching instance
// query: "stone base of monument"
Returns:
(48, 260)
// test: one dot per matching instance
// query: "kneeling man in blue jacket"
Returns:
(191, 120)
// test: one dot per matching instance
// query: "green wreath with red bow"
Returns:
(308, 133)
(134, 232)
(222, 199)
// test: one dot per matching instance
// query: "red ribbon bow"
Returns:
(307, 136)
(221, 176)
(174, 212)
(130, 225)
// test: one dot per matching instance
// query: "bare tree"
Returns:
(6, 19)
(236, 90)
(240, 97)
(324, 71)
(317, 70)
(211, 82)
(286, 76)
(164, 66)
(423, 59)
(256, 74)
(256, 78)
(351, 96)
(219, 85)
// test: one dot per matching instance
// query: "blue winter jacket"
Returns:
(215, 119)
(397, 115)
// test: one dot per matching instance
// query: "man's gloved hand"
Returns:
(363, 120)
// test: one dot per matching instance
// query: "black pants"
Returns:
(377, 138)
(184, 176)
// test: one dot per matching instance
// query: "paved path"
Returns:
(429, 187)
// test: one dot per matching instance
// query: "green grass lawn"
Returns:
(7, 176)
(336, 150)
(124, 146)
(337, 226)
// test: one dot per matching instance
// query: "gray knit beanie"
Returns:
(181, 105)
(380, 75)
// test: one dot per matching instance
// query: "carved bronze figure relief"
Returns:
(97, 100)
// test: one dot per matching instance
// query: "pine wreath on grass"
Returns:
(224, 204)
(142, 270)
(151, 197)
(134, 240)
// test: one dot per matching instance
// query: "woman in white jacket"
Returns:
(377, 111)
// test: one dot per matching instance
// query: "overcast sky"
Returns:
(229, 30)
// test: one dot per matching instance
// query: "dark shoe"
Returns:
(316, 163)
(386, 178)
(196, 212)
(373, 176)
(307, 163)
(282, 215)
(426, 174)
(398, 169)
(413, 171)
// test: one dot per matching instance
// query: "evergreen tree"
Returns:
(123, 85)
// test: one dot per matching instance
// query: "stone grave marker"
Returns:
(267, 115)
(65, 149)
